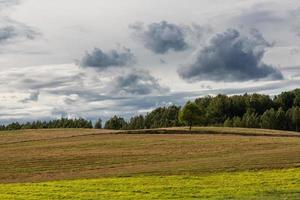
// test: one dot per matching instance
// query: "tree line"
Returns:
(58, 123)
(158, 118)
(249, 110)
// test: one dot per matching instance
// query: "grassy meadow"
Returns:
(274, 184)
(208, 163)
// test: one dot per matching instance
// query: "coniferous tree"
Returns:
(116, 123)
(246, 110)
(268, 119)
(237, 122)
(98, 124)
(137, 122)
(250, 119)
(281, 121)
(296, 117)
(218, 110)
(228, 123)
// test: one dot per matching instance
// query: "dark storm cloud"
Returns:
(137, 82)
(101, 60)
(161, 37)
(230, 56)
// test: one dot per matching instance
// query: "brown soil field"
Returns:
(42, 155)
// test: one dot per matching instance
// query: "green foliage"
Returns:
(58, 123)
(258, 103)
(237, 122)
(190, 114)
(289, 99)
(268, 119)
(281, 120)
(297, 99)
(163, 117)
(98, 124)
(289, 123)
(203, 103)
(228, 123)
(218, 109)
(137, 122)
(271, 184)
(296, 117)
(238, 105)
(116, 123)
(248, 110)
(250, 120)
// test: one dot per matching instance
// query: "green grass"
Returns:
(272, 184)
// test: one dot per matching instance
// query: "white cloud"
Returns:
(50, 89)
(68, 90)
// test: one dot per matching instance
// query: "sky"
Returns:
(99, 58)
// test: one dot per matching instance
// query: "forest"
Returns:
(58, 123)
(281, 112)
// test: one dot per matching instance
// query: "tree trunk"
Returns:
(190, 126)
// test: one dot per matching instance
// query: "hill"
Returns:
(59, 154)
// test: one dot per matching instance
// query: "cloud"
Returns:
(71, 99)
(161, 37)
(102, 60)
(38, 83)
(294, 51)
(137, 82)
(13, 31)
(266, 16)
(66, 88)
(295, 18)
(59, 113)
(8, 3)
(231, 56)
(258, 16)
(162, 61)
(34, 96)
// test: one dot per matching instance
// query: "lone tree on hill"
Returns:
(190, 114)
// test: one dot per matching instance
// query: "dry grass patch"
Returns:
(70, 154)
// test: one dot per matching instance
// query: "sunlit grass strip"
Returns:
(275, 184)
